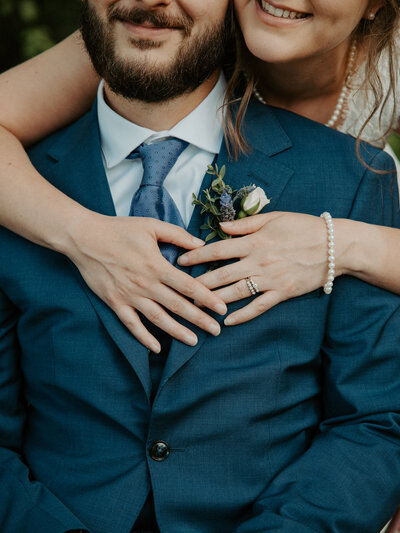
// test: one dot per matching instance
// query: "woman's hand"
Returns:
(120, 260)
(284, 253)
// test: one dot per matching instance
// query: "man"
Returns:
(287, 423)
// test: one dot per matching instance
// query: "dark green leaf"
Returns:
(211, 236)
(221, 234)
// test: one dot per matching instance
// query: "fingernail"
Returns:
(191, 340)
(229, 321)
(221, 309)
(214, 329)
(182, 260)
(198, 242)
(155, 348)
(226, 224)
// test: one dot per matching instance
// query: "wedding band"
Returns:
(252, 286)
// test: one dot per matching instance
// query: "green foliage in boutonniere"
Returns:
(224, 204)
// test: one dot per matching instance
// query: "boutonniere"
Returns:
(224, 204)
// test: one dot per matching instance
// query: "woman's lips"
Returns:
(281, 12)
(282, 17)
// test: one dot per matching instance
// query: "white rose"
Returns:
(255, 201)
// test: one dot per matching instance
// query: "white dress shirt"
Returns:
(202, 129)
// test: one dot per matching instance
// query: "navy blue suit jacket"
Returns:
(289, 423)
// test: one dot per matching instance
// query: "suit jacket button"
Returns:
(159, 450)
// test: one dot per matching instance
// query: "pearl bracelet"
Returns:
(331, 253)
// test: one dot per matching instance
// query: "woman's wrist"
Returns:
(353, 246)
(70, 229)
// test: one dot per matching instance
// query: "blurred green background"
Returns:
(28, 27)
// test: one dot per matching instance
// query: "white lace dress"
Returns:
(361, 103)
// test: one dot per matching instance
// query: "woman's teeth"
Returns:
(281, 13)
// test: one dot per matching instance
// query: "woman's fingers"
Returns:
(159, 317)
(180, 306)
(226, 275)
(193, 289)
(170, 233)
(131, 320)
(217, 251)
(154, 311)
(255, 308)
(248, 225)
(237, 291)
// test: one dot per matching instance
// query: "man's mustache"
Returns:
(156, 19)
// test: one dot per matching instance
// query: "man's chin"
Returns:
(128, 42)
(157, 52)
(145, 54)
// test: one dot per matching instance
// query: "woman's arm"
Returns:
(373, 253)
(39, 97)
(48, 91)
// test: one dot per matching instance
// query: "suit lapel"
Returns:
(267, 138)
(80, 174)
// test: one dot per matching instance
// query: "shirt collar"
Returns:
(203, 127)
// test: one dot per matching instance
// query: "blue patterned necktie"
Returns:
(152, 199)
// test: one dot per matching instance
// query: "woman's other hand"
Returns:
(285, 254)
(120, 260)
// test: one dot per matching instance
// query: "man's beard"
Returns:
(196, 60)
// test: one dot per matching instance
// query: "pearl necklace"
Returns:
(344, 93)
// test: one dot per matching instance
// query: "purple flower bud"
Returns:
(228, 212)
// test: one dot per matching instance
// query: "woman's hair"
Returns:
(376, 35)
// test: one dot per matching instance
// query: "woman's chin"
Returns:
(274, 51)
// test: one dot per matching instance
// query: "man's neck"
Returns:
(159, 116)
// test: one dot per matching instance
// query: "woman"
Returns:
(322, 65)
(56, 95)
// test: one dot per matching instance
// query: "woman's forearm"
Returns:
(30, 205)
(371, 253)
(37, 98)
(48, 91)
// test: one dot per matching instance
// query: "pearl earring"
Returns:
(371, 16)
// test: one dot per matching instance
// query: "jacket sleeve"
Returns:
(26, 506)
(348, 479)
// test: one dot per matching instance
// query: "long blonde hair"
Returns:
(377, 36)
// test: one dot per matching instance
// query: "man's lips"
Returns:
(147, 30)
(150, 23)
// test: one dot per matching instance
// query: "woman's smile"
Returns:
(281, 12)
(279, 15)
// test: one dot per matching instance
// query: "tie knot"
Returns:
(158, 158)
